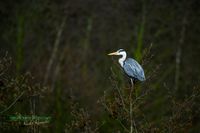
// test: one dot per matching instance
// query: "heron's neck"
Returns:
(122, 59)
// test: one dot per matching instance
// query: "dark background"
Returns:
(64, 45)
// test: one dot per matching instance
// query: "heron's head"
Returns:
(118, 52)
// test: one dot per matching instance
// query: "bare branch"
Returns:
(13, 103)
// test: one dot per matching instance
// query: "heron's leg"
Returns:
(132, 121)
(132, 83)
(131, 87)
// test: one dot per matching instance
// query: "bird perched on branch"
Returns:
(130, 66)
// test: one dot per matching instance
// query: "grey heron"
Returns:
(130, 66)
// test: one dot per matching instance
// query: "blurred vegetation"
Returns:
(54, 63)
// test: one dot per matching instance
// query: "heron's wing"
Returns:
(133, 69)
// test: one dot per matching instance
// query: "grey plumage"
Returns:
(133, 69)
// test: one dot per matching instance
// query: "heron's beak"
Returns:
(114, 53)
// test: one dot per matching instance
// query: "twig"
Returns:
(131, 107)
(122, 125)
(140, 97)
(132, 121)
(12, 103)
(104, 104)
(131, 116)
(121, 97)
(97, 128)
(114, 83)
